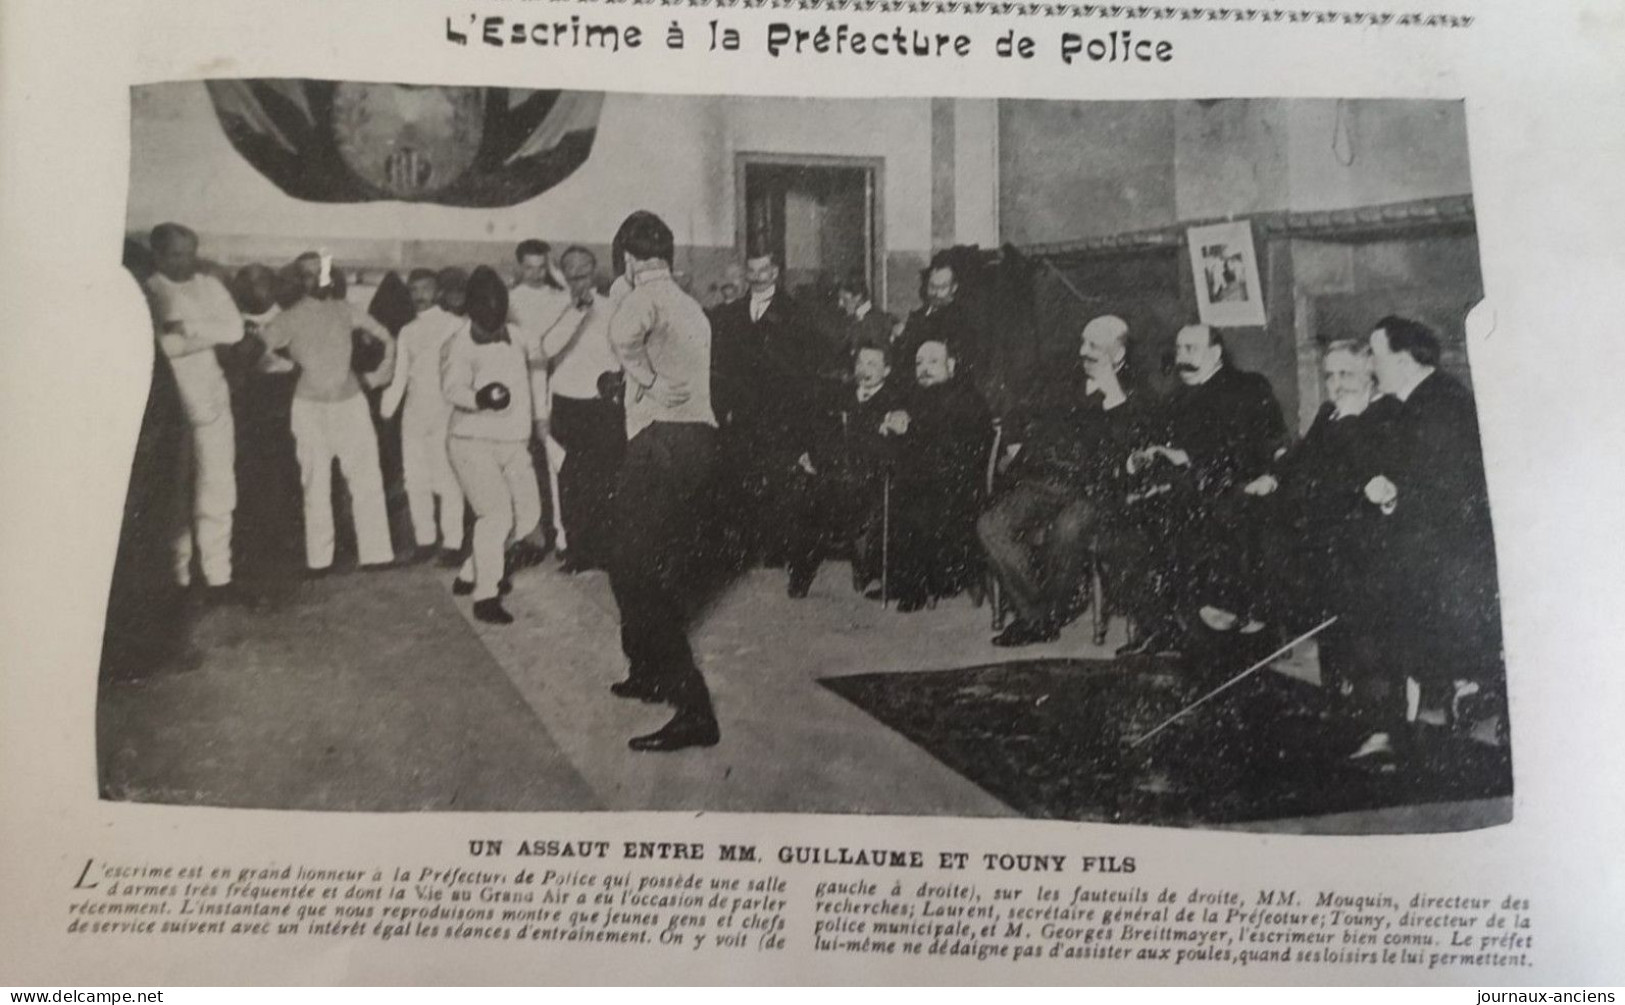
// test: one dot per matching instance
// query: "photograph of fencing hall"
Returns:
(579, 451)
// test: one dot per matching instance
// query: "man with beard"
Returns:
(192, 314)
(1065, 473)
(942, 436)
(1436, 609)
(942, 318)
(766, 371)
(425, 462)
(663, 341)
(485, 377)
(1219, 430)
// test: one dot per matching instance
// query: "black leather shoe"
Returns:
(573, 563)
(800, 584)
(686, 729)
(641, 688)
(491, 611)
(1020, 633)
(525, 554)
(461, 587)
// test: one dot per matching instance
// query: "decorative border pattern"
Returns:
(1062, 8)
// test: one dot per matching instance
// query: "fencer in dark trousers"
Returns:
(663, 341)
(486, 378)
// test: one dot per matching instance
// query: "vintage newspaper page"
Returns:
(517, 491)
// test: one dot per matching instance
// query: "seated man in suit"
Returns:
(943, 434)
(1319, 540)
(1435, 605)
(848, 466)
(1219, 430)
(1068, 443)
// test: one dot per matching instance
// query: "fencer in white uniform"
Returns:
(425, 459)
(192, 313)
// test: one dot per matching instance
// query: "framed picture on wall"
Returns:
(1228, 292)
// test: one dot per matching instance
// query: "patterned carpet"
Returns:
(1051, 738)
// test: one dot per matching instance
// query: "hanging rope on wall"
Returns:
(1342, 141)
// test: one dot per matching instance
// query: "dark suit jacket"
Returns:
(942, 459)
(874, 328)
(766, 375)
(1442, 578)
(1068, 437)
(1323, 476)
(850, 448)
(951, 325)
(1231, 427)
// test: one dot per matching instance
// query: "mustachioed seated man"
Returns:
(847, 466)
(1218, 430)
(1067, 446)
(941, 436)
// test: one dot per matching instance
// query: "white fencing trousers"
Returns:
(205, 498)
(324, 431)
(500, 483)
(426, 469)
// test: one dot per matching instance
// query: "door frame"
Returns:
(876, 168)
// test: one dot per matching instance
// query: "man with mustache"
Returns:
(1219, 430)
(847, 468)
(1068, 442)
(942, 318)
(767, 370)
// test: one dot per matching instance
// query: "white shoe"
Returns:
(1376, 743)
(1217, 619)
(1464, 689)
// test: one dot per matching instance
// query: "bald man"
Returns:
(1066, 443)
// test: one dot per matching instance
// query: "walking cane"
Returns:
(1261, 664)
(885, 537)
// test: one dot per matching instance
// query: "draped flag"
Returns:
(325, 141)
